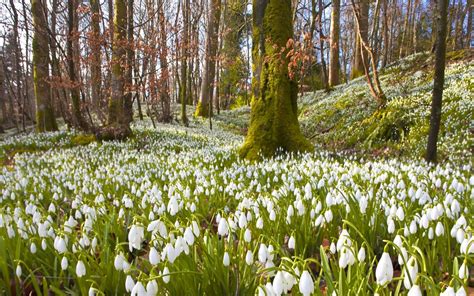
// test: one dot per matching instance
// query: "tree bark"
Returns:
(274, 122)
(164, 73)
(117, 120)
(72, 59)
(470, 8)
(207, 85)
(184, 63)
(95, 45)
(45, 119)
(438, 86)
(362, 26)
(334, 51)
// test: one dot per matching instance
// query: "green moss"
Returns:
(273, 123)
(82, 139)
(202, 110)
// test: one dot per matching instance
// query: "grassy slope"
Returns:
(346, 119)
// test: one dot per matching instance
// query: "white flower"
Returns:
(410, 271)
(223, 227)
(461, 292)
(18, 271)
(463, 272)
(259, 223)
(33, 248)
(278, 283)
(262, 253)
(361, 255)
(64, 263)
(129, 284)
(247, 235)
(306, 284)
(400, 214)
(439, 229)
(344, 239)
(80, 269)
(249, 258)
(60, 245)
(135, 237)
(91, 291)
(467, 246)
(138, 290)
(189, 236)
(291, 243)
(152, 288)
(154, 256)
(166, 275)
(226, 259)
(448, 292)
(384, 270)
(415, 291)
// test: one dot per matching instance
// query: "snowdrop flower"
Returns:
(247, 235)
(152, 288)
(448, 292)
(249, 258)
(154, 256)
(461, 292)
(463, 271)
(18, 271)
(291, 243)
(80, 269)
(259, 223)
(344, 239)
(262, 253)
(226, 260)
(306, 284)
(410, 272)
(33, 248)
(135, 237)
(400, 214)
(332, 248)
(361, 254)
(166, 275)
(64, 263)
(439, 229)
(384, 270)
(60, 245)
(138, 290)
(467, 246)
(223, 227)
(278, 283)
(415, 291)
(129, 284)
(189, 236)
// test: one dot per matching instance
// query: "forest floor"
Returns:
(346, 119)
(173, 210)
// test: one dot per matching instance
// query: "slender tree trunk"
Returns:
(184, 63)
(118, 121)
(334, 51)
(18, 68)
(95, 45)
(45, 119)
(207, 86)
(405, 30)
(324, 72)
(273, 120)
(164, 74)
(470, 8)
(362, 26)
(3, 103)
(72, 59)
(385, 34)
(436, 103)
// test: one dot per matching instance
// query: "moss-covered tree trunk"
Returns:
(45, 120)
(207, 85)
(118, 123)
(273, 122)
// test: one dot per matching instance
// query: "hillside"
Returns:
(347, 119)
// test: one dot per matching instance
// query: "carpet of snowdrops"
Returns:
(174, 211)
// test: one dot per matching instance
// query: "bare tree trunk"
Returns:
(18, 69)
(470, 8)
(164, 74)
(405, 31)
(207, 86)
(45, 119)
(130, 63)
(184, 63)
(385, 34)
(72, 60)
(95, 42)
(362, 27)
(436, 103)
(334, 51)
(321, 45)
